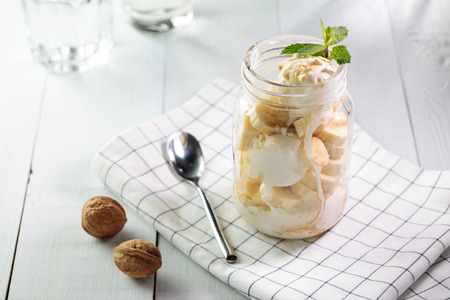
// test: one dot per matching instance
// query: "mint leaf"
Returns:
(340, 54)
(336, 34)
(310, 49)
(291, 49)
(304, 49)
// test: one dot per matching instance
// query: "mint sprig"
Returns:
(331, 36)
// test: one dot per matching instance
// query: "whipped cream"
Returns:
(306, 70)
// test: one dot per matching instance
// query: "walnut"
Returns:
(137, 258)
(103, 217)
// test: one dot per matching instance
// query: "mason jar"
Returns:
(291, 145)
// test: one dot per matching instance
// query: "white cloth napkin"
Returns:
(396, 226)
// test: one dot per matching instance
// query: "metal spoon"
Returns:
(186, 158)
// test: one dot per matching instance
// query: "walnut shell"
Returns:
(102, 217)
(137, 258)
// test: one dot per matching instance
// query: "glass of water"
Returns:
(69, 35)
(158, 15)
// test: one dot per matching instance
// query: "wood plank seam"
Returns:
(163, 109)
(156, 274)
(38, 121)
(278, 16)
(18, 234)
(402, 80)
(164, 76)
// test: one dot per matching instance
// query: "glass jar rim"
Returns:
(339, 69)
(274, 44)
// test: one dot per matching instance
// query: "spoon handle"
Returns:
(224, 245)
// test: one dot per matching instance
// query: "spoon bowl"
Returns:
(186, 158)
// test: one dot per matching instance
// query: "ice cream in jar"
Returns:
(292, 131)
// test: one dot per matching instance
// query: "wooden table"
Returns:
(52, 125)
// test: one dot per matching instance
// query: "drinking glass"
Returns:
(158, 15)
(69, 35)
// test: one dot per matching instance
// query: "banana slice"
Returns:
(335, 167)
(266, 119)
(246, 135)
(337, 107)
(340, 119)
(252, 187)
(283, 198)
(328, 182)
(300, 127)
(286, 201)
(302, 123)
(258, 123)
(307, 194)
(319, 152)
(248, 190)
(335, 132)
(335, 152)
(289, 202)
(248, 201)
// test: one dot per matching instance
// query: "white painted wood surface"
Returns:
(52, 125)
(19, 114)
(422, 39)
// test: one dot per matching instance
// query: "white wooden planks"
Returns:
(19, 119)
(55, 258)
(422, 36)
(19, 112)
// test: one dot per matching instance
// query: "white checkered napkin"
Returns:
(395, 230)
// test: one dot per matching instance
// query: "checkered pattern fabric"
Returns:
(391, 242)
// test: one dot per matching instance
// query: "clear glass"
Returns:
(158, 15)
(69, 35)
(291, 146)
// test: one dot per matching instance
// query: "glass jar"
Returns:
(291, 146)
